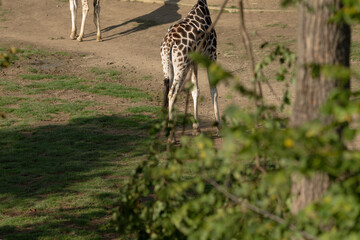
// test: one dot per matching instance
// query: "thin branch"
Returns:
(273, 91)
(256, 209)
(248, 46)
(258, 165)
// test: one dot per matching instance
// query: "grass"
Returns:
(286, 43)
(9, 86)
(7, 100)
(120, 91)
(31, 51)
(33, 70)
(57, 83)
(74, 83)
(103, 73)
(3, 12)
(148, 77)
(281, 25)
(144, 109)
(60, 180)
(45, 110)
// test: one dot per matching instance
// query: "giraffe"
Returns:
(181, 38)
(85, 10)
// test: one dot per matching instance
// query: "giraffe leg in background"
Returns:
(214, 100)
(97, 19)
(85, 10)
(73, 8)
(180, 71)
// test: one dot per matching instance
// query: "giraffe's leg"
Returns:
(213, 90)
(97, 19)
(174, 90)
(195, 94)
(85, 10)
(179, 74)
(214, 99)
(73, 8)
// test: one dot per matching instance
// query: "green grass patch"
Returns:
(74, 83)
(31, 51)
(62, 181)
(283, 42)
(103, 73)
(46, 110)
(62, 53)
(120, 91)
(9, 86)
(281, 25)
(144, 109)
(40, 76)
(8, 100)
(58, 83)
(147, 77)
(33, 70)
(3, 12)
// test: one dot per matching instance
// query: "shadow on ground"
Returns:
(57, 161)
(166, 14)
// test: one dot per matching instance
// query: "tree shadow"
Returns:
(168, 13)
(53, 161)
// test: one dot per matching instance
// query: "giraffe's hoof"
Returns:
(99, 39)
(79, 39)
(171, 140)
(196, 131)
(217, 133)
(73, 35)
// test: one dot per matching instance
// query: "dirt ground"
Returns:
(132, 33)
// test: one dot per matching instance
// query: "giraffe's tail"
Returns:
(168, 79)
(166, 93)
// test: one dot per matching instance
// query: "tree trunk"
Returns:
(320, 42)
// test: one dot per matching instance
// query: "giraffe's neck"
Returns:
(203, 1)
(200, 9)
(200, 15)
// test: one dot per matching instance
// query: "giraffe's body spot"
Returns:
(176, 35)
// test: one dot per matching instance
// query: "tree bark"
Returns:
(320, 42)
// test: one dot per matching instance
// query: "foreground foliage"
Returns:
(242, 189)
